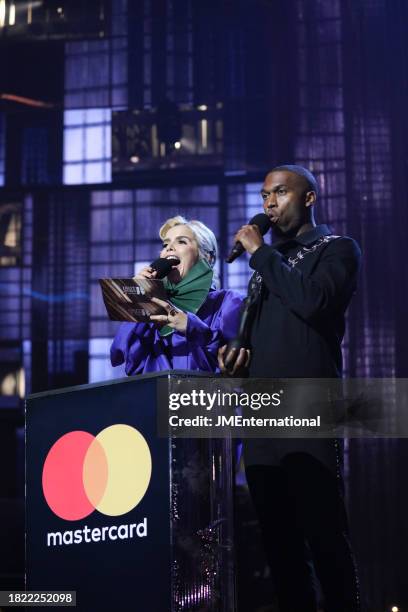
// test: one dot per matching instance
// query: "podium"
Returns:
(128, 520)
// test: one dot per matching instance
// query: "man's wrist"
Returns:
(260, 256)
(254, 248)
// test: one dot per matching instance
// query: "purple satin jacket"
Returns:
(142, 349)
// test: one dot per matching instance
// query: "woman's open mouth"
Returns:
(175, 258)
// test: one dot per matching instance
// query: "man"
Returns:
(301, 288)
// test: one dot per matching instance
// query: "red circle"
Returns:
(62, 478)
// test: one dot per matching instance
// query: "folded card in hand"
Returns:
(130, 299)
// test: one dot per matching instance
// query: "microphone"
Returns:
(241, 339)
(163, 265)
(263, 222)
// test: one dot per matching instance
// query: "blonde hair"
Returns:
(205, 238)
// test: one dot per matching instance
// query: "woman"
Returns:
(201, 317)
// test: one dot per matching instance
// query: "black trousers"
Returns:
(302, 516)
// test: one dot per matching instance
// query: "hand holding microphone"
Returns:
(249, 237)
(159, 268)
(234, 357)
(233, 360)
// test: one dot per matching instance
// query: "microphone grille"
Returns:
(262, 221)
(163, 266)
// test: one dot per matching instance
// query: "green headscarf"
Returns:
(191, 292)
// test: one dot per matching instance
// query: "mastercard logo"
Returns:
(109, 472)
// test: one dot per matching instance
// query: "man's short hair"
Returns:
(300, 171)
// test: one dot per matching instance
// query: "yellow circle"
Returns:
(129, 469)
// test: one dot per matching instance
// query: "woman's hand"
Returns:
(146, 272)
(175, 318)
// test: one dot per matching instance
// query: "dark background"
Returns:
(89, 171)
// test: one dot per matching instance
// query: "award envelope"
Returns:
(129, 299)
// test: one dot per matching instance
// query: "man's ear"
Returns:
(310, 198)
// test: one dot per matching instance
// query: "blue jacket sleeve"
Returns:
(132, 343)
(223, 326)
(328, 288)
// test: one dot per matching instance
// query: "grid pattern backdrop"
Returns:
(2, 148)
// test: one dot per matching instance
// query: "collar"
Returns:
(191, 292)
(306, 238)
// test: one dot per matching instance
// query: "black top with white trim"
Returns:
(301, 290)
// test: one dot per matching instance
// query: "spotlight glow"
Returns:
(12, 14)
(177, 145)
(2, 13)
(204, 133)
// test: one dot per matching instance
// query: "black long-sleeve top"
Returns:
(304, 286)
